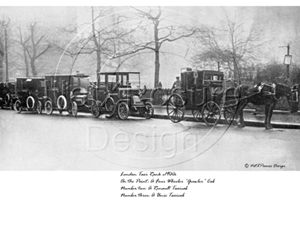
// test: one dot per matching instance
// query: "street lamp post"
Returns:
(287, 61)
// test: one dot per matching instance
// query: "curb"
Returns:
(248, 123)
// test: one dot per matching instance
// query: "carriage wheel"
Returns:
(229, 114)
(74, 109)
(211, 113)
(109, 105)
(149, 110)
(123, 110)
(95, 109)
(197, 114)
(39, 107)
(18, 106)
(175, 108)
(48, 107)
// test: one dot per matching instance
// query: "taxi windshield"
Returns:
(134, 80)
(83, 82)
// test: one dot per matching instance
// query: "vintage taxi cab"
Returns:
(71, 93)
(30, 94)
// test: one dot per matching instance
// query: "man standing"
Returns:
(177, 83)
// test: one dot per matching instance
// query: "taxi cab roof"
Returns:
(115, 73)
(66, 75)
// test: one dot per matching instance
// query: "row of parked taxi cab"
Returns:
(114, 93)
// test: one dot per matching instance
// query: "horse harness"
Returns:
(271, 89)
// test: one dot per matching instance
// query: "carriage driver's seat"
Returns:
(216, 90)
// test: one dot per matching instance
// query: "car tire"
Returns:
(48, 107)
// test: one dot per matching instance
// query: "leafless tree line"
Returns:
(119, 37)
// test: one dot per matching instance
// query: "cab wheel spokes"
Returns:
(149, 110)
(197, 114)
(109, 105)
(123, 110)
(95, 109)
(48, 107)
(175, 108)
(74, 109)
(229, 114)
(211, 113)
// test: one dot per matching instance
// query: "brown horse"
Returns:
(261, 94)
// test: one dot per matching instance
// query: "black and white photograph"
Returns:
(156, 102)
(172, 88)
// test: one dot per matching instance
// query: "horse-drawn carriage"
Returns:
(206, 95)
(69, 93)
(120, 92)
(30, 94)
(201, 92)
(7, 95)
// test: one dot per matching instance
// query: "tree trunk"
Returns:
(26, 62)
(98, 68)
(236, 71)
(33, 69)
(157, 68)
(156, 52)
(1, 66)
(6, 56)
(97, 42)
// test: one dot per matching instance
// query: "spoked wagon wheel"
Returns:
(74, 109)
(175, 108)
(95, 109)
(229, 114)
(197, 114)
(110, 107)
(18, 106)
(48, 107)
(211, 113)
(123, 110)
(39, 107)
(149, 110)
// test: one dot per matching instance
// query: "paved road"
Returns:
(61, 142)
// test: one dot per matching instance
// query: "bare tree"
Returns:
(23, 42)
(4, 48)
(32, 46)
(71, 45)
(162, 33)
(232, 46)
(107, 35)
(2, 54)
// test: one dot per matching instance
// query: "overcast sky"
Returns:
(281, 24)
